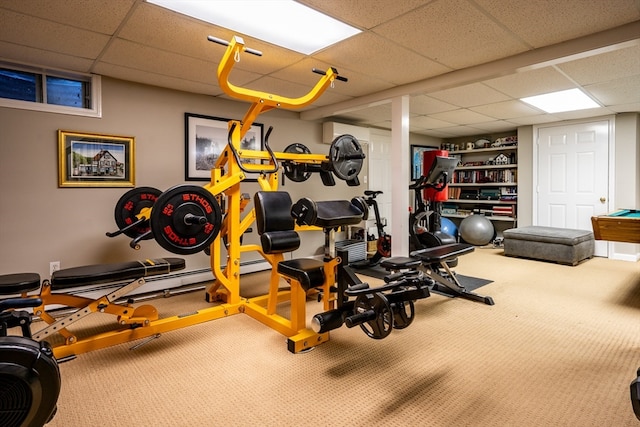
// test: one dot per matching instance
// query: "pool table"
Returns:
(620, 226)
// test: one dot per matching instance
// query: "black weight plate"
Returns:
(382, 325)
(346, 157)
(403, 314)
(361, 203)
(296, 172)
(130, 205)
(170, 222)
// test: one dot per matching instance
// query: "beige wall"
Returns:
(40, 222)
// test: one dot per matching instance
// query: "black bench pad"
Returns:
(400, 263)
(442, 253)
(308, 272)
(106, 273)
(18, 283)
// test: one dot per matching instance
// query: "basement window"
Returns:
(52, 91)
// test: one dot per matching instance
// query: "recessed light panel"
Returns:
(558, 102)
(285, 23)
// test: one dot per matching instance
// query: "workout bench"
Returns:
(430, 261)
(55, 292)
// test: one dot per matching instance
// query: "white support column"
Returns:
(400, 177)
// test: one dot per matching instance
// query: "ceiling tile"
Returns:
(43, 58)
(479, 40)
(391, 63)
(604, 67)
(462, 117)
(506, 110)
(470, 95)
(100, 16)
(426, 122)
(364, 14)
(546, 22)
(51, 36)
(422, 104)
(620, 91)
(532, 82)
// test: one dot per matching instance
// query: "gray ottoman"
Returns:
(561, 245)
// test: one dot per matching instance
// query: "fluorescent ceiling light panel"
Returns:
(558, 102)
(285, 23)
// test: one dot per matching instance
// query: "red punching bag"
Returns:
(431, 194)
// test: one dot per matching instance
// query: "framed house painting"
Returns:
(95, 160)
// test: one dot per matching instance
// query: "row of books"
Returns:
(501, 210)
(485, 176)
(503, 193)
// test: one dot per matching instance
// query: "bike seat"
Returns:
(19, 283)
(372, 193)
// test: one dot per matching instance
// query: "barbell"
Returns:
(345, 161)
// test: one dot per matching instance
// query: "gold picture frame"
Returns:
(95, 160)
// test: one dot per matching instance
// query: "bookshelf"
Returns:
(486, 181)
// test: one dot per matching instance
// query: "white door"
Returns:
(379, 178)
(573, 176)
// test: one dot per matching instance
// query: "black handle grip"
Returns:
(226, 43)
(324, 73)
(360, 318)
(127, 228)
(19, 303)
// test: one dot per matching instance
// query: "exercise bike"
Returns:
(425, 221)
(29, 374)
(383, 243)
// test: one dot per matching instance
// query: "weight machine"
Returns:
(187, 219)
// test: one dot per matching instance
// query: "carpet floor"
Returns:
(559, 348)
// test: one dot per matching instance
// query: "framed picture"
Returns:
(95, 160)
(206, 137)
(416, 160)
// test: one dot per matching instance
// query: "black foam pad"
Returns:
(18, 283)
(106, 273)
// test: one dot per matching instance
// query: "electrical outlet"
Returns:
(54, 266)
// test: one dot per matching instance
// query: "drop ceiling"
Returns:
(463, 63)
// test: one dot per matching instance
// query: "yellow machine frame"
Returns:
(226, 178)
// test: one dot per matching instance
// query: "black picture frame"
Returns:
(206, 137)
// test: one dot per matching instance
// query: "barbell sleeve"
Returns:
(360, 318)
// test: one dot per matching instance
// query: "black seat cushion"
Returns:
(308, 272)
(106, 273)
(18, 283)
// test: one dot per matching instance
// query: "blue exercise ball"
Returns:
(449, 227)
(477, 230)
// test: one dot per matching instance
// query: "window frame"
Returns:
(93, 79)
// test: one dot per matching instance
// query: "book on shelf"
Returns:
(502, 210)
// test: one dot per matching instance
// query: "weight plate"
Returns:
(403, 314)
(361, 203)
(296, 172)
(130, 205)
(346, 157)
(185, 219)
(381, 326)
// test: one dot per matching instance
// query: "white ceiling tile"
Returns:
(479, 40)
(391, 62)
(541, 24)
(604, 67)
(532, 82)
(470, 95)
(462, 117)
(506, 110)
(620, 91)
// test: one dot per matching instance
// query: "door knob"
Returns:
(603, 199)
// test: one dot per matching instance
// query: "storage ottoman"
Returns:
(561, 245)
